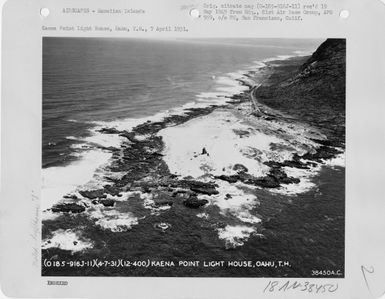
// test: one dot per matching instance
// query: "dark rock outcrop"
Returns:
(282, 177)
(92, 194)
(70, 196)
(198, 187)
(68, 208)
(109, 131)
(322, 153)
(107, 202)
(228, 178)
(204, 190)
(112, 190)
(265, 182)
(194, 203)
(240, 167)
(273, 179)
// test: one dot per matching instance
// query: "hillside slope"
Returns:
(312, 91)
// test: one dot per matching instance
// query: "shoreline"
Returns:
(134, 140)
(147, 178)
(98, 146)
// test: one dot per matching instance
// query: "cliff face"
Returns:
(324, 72)
(313, 91)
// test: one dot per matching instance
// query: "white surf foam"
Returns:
(338, 161)
(127, 124)
(203, 215)
(105, 140)
(306, 183)
(235, 235)
(58, 181)
(49, 215)
(149, 203)
(234, 200)
(67, 240)
(235, 137)
(112, 219)
(215, 133)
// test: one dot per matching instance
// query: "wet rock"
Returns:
(202, 184)
(112, 190)
(229, 178)
(290, 180)
(109, 131)
(110, 179)
(194, 203)
(68, 208)
(204, 190)
(266, 182)
(282, 177)
(92, 194)
(245, 177)
(322, 153)
(107, 202)
(149, 128)
(278, 173)
(294, 164)
(130, 136)
(240, 168)
(198, 187)
(109, 148)
(70, 196)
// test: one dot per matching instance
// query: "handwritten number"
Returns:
(267, 286)
(364, 270)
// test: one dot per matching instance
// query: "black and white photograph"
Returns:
(193, 157)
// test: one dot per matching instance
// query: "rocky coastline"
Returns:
(145, 171)
(141, 157)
